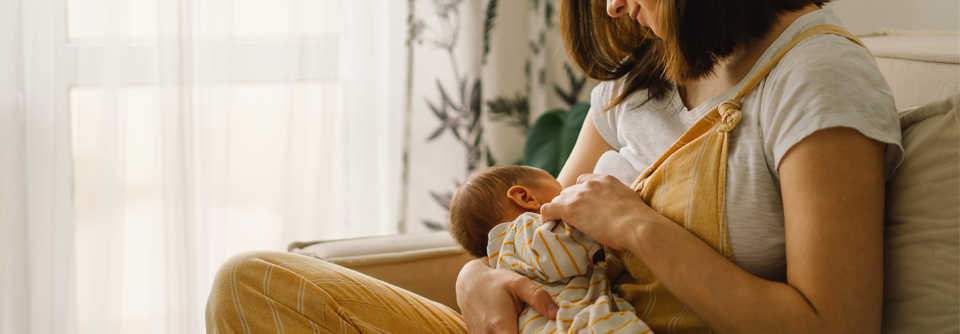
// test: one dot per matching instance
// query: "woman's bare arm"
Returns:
(588, 149)
(832, 186)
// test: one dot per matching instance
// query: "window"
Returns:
(254, 156)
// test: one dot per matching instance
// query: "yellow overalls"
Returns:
(686, 184)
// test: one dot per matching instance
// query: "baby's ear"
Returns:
(523, 197)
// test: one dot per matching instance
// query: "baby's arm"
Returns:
(551, 251)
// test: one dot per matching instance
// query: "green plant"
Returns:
(552, 136)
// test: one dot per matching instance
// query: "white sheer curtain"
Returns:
(142, 142)
(36, 221)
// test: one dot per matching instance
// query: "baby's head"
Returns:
(495, 195)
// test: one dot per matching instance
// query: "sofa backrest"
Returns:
(920, 67)
(922, 220)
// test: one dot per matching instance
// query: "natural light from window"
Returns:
(254, 118)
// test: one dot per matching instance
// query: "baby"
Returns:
(496, 213)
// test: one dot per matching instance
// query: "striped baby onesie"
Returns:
(558, 258)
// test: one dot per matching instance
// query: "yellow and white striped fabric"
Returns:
(559, 258)
(285, 293)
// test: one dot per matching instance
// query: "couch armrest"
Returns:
(426, 264)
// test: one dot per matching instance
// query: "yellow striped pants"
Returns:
(275, 292)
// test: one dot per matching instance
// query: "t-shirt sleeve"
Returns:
(824, 82)
(605, 121)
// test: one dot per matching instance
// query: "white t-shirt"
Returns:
(825, 81)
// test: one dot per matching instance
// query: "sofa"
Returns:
(922, 224)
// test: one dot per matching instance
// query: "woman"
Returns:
(817, 139)
(805, 170)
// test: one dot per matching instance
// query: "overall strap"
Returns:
(730, 109)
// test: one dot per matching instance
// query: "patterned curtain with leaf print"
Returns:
(481, 72)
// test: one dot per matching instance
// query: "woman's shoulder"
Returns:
(830, 53)
(827, 81)
(822, 54)
(602, 94)
(830, 67)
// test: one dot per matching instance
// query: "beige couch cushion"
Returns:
(922, 228)
(426, 264)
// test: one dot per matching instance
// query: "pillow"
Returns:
(922, 225)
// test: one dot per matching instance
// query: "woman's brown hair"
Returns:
(696, 35)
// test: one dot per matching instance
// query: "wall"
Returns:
(863, 16)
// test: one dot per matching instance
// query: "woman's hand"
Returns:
(603, 208)
(491, 299)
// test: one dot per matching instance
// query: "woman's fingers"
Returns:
(551, 211)
(601, 207)
(562, 206)
(583, 178)
(539, 299)
(491, 299)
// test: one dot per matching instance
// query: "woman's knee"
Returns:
(238, 287)
(238, 267)
(250, 268)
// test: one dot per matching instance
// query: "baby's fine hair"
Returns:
(478, 204)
